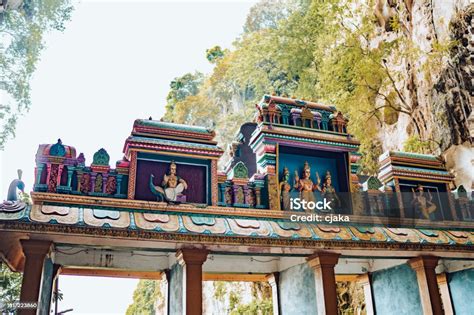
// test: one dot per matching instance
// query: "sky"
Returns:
(111, 65)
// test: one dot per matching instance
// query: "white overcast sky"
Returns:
(111, 65)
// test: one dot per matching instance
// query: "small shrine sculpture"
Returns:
(305, 185)
(172, 186)
(285, 189)
(423, 205)
(329, 192)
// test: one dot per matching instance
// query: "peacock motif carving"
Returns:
(12, 204)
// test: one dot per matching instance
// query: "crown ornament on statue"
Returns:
(306, 166)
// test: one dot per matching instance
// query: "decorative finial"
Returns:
(150, 118)
(59, 141)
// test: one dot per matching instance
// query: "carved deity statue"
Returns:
(98, 184)
(285, 189)
(228, 195)
(423, 203)
(305, 185)
(173, 184)
(329, 192)
(110, 185)
(239, 196)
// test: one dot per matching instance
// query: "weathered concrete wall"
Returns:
(395, 291)
(461, 287)
(297, 291)
(176, 290)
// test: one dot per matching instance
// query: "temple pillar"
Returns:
(165, 278)
(323, 264)
(188, 277)
(274, 281)
(445, 295)
(50, 272)
(35, 252)
(424, 267)
(365, 281)
(119, 184)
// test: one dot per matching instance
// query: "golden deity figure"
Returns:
(173, 184)
(422, 204)
(285, 189)
(305, 185)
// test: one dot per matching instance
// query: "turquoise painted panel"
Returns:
(297, 291)
(176, 290)
(461, 287)
(46, 290)
(395, 291)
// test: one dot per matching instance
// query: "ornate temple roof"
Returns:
(161, 128)
(296, 102)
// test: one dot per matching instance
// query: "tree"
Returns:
(21, 37)
(10, 287)
(145, 298)
(182, 87)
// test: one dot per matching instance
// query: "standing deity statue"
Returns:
(329, 192)
(423, 204)
(285, 189)
(305, 185)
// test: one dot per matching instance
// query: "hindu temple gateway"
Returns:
(166, 212)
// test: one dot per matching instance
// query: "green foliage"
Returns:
(145, 298)
(326, 50)
(260, 307)
(415, 145)
(10, 286)
(214, 54)
(181, 88)
(21, 36)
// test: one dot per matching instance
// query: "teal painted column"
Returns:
(395, 291)
(50, 271)
(175, 290)
(461, 287)
(297, 294)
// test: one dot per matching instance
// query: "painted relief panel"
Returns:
(170, 178)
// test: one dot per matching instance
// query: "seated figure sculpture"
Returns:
(172, 186)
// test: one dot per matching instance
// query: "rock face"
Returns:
(439, 91)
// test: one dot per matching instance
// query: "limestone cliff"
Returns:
(438, 89)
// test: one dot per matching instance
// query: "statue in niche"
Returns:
(239, 197)
(463, 201)
(53, 178)
(98, 184)
(423, 204)
(305, 185)
(285, 189)
(329, 192)
(228, 195)
(250, 197)
(110, 185)
(85, 183)
(172, 186)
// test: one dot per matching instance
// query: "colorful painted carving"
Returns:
(172, 186)
(285, 189)
(329, 192)
(305, 185)
(423, 203)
